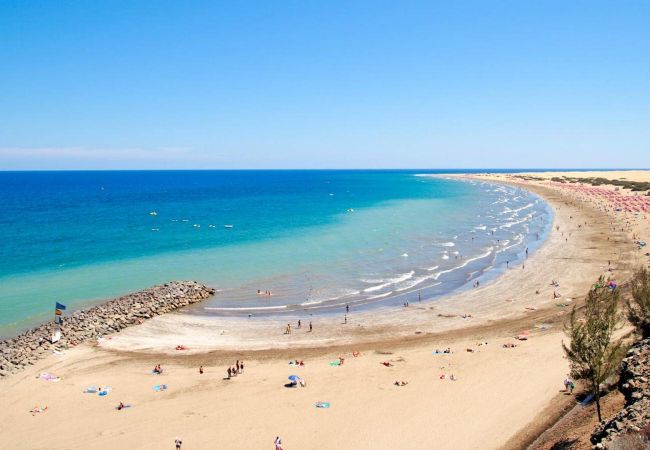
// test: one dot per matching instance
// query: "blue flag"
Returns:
(60, 306)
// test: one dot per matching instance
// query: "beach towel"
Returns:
(160, 387)
(335, 363)
(103, 391)
(90, 390)
(322, 405)
(49, 377)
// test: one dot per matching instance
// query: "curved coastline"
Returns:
(430, 288)
(508, 297)
(499, 385)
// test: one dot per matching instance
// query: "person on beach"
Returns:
(278, 443)
(201, 370)
(310, 327)
(229, 373)
(299, 324)
(178, 443)
(241, 367)
(345, 319)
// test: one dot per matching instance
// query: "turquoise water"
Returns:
(315, 239)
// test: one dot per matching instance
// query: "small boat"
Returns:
(153, 213)
(228, 226)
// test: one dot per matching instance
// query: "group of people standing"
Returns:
(238, 369)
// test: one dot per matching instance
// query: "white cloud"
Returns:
(99, 158)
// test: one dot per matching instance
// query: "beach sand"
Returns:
(499, 391)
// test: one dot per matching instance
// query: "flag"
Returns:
(60, 306)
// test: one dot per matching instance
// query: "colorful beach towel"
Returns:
(91, 390)
(103, 391)
(49, 377)
(160, 387)
(322, 404)
(335, 363)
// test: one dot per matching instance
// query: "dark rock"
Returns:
(99, 320)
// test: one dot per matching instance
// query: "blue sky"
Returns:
(448, 84)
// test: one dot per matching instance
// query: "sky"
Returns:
(330, 84)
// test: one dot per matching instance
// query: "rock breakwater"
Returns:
(110, 317)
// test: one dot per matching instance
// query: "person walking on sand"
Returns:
(299, 324)
(278, 443)
(347, 307)
(310, 327)
(237, 366)
(178, 443)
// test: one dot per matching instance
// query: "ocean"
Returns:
(315, 240)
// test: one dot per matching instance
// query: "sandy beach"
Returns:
(498, 392)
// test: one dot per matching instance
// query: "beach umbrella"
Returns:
(294, 377)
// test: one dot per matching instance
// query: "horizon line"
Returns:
(486, 169)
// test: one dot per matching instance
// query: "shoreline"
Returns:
(498, 385)
(209, 333)
(324, 286)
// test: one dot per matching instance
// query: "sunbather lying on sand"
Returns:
(401, 383)
(387, 364)
(38, 409)
(509, 345)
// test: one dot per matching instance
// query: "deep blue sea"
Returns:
(314, 239)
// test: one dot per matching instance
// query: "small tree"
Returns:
(592, 353)
(638, 307)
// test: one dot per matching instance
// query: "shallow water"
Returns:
(315, 239)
